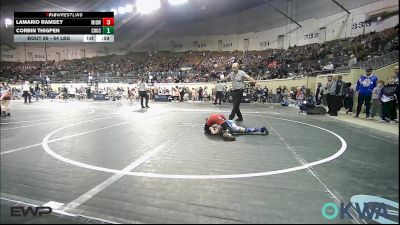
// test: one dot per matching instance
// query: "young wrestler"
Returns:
(218, 124)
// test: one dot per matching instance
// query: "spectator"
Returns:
(182, 93)
(376, 104)
(329, 68)
(389, 98)
(90, 79)
(326, 93)
(306, 104)
(71, 92)
(292, 95)
(318, 94)
(270, 96)
(37, 92)
(352, 61)
(365, 85)
(298, 61)
(193, 94)
(348, 94)
(200, 91)
(264, 95)
(47, 80)
(206, 94)
(300, 95)
(278, 94)
(336, 93)
(285, 101)
(284, 91)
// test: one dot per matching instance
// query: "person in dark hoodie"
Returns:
(365, 85)
(318, 94)
(348, 94)
(389, 97)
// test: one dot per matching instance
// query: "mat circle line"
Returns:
(179, 176)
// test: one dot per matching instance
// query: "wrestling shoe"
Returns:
(264, 130)
(228, 137)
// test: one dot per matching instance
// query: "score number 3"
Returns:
(108, 21)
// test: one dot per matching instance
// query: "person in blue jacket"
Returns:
(364, 86)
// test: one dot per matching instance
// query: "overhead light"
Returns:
(177, 2)
(147, 6)
(8, 22)
(128, 8)
(115, 11)
(121, 10)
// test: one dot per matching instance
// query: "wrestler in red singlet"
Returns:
(214, 119)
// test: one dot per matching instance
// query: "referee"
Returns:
(237, 77)
(142, 87)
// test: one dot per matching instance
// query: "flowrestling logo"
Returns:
(369, 207)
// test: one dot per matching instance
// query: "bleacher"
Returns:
(371, 50)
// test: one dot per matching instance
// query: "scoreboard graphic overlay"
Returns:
(63, 27)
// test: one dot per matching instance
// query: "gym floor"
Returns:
(103, 163)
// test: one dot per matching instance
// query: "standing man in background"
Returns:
(90, 79)
(365, 85)
(318, 94)
(336, 93)
(326, 93)
(25, 92)
(37, 92)
(47, 81)
(389, 96)
(182, 93)
(348, 94)
(219, 92)
(278, 94)
(237, 77)
(194, 94)
(376, 103)
(200, 91)
(142, 87)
